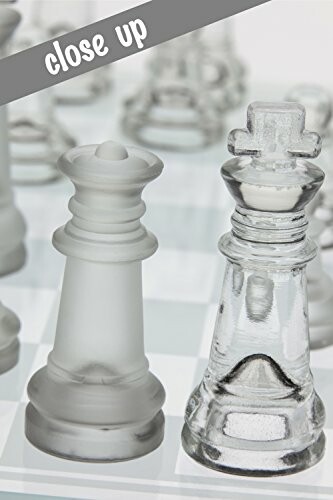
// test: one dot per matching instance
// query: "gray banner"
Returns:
(159, 20)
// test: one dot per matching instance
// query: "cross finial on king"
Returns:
(275, 131)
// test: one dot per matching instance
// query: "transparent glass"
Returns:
(12, 226)
(174, 110)
(37, 138)
(58, 17)
(227, 82)
(256, 411)
(318, 103)
(319, 285)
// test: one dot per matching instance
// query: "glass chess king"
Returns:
(256, 411)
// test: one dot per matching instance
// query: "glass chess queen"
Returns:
(256, 411)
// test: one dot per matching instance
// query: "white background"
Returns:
(283, 41)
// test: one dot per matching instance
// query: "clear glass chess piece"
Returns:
(227, 82)
(12, 225)
(319, 286)
(96, 399)
(37, 138)
(9, 345)
(59, 17)
(256, 411)
(318, 103)
(173, 109)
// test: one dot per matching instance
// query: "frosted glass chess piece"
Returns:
(319, 287)
(37, 138)
(12, 226)
(318, 103)
(173, 109)
(256, 411)
(59, 17)
(96, 400)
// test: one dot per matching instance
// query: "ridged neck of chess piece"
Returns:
(9, 20)
(107, 203)
(318, 104)
(271, 181)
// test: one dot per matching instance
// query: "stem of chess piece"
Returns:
(318, 103)
(36, 136)
(174, 109)
(96, 400)
(256, 411)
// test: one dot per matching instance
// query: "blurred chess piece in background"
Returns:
(228, 80)
(37, 138)
(319, 287)
(58, 17)
(173, 108)
(12, 225)
(318, 103)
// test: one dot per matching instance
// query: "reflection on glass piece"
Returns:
(255, 411)
(259, 296)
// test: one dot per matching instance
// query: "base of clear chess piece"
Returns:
(244, 431)
(174, 110)
(55, 426)
(173, 119)
(84, 89)
(35, 149)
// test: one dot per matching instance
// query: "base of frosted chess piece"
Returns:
(103, 423)
(320, 306)
(9, 344)
(264, 440)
